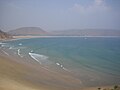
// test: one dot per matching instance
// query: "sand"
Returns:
(18, 75)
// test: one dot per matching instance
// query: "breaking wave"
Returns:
(2, 43)
(39, 58)
(42, 59)
(61, 66)
(19, 53)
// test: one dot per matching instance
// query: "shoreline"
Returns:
(21, 72)
(31, 36)
(30, 73)
(14, 78)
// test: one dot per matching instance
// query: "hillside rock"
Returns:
(4, 35)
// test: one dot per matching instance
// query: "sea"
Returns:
(93, 60)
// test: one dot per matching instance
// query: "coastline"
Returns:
(26, 75)
(29, 75)
(31, 36)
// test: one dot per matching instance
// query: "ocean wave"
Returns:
(39, 58)
(16, 48)
(61, 66)
(2, 43)
(11, 47)
(20, 44)
(6, 45)
(42, 59)
(19, 53)
(58, 64)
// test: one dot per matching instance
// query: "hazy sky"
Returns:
(60, 14)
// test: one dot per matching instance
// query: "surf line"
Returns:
(5, 53)
(40, 63)
(62, 67)
(11, 47)
(34, 58)
(20, 44)
(19, 53)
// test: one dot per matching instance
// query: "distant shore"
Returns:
(32, 36)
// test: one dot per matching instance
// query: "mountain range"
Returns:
(87, 32)
(28, 31)
(70, 32)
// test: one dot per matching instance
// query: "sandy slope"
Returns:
(21, 76)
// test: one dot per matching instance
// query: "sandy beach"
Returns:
(20, 75)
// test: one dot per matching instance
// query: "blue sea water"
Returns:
(91, 59)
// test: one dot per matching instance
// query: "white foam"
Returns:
(31, 51)
(42, 57)
(37, 57)
(2, 43)
(61, 66)
(18, 47)
(58, 64)
(20, 44)
(32, 56)
(19, 53)
(10, 47)
(65, 69)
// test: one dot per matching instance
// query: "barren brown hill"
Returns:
(28, 31)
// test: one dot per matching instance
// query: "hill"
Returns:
(87, 32)
(35, 31)
(28, 31)
(4, 35)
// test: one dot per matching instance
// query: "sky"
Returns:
(60, 14)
